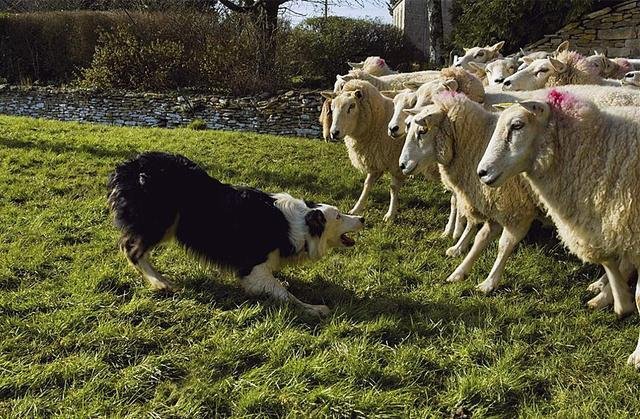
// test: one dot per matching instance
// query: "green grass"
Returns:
(82, 335)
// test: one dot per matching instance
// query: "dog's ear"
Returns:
(315, 221)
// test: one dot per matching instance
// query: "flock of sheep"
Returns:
(547, 135)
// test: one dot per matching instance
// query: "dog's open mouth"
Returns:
(347, 241)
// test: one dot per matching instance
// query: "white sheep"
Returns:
(568, 67)
(613, 68)
(496, 71)
(389, 82)
(454, 132)
(583, 165)
(631, 80)
(600, 95)
(375, 66)
(360, 117)
(479, 55)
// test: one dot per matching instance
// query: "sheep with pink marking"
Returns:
(376, 66)
(583, 164)
(454, 132)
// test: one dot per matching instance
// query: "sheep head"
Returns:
(514, 144)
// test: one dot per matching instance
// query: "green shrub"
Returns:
(197, 125)
(320, 48)
(123, 60)
(517, 22)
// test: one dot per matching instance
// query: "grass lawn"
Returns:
(82, 335)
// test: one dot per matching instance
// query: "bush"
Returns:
(321, 47)
(482, 22)
(197, 125)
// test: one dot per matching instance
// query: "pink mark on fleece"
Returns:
(566, 103)
(381, 62)
(625, 65)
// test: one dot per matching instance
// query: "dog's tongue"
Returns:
(347, 241)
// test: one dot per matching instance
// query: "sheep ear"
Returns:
(451, 85)
(502, 106)
(411, 85)
(356, 65)
(339, 77)
(327, 94)
(536, 108)
(316, 222)
(389, 93)
(562, 47)
(466, 49)
(497, 46)
(559, 66)
(358, 94)
(527, 60)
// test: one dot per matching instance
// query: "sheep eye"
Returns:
(338, 216)
(517, 125)
(480, 54)
(542, 70)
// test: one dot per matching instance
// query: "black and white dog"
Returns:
(157, 196)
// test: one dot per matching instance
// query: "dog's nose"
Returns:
(499, 81)
(361, 219)
(394, 128)
(507, 83)
(482, 173)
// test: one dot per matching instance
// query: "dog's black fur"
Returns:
(156, 194)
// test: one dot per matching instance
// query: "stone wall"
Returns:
(288, 113)
(613, 30)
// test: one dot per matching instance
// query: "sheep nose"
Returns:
(335, 134)
(499, 81)
(507, 83)
(361, 219)
(482, 173)
(403, 166)
(628, 76)
(394, 128)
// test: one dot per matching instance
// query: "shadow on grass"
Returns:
(63, 148)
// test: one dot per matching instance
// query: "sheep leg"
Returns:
(622, 298)
(462, 245)
(396, 183)
(605, 296)
(508, 241)
(485, 236)
(453, 213)
(634, 358)
(461, 224)
(368, 184)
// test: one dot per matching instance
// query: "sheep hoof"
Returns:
(453, 252)
(388, 218)
(600, 301)
(595, 286)
(485, 287)
(456, 277)
(634, 359)
(624, 309)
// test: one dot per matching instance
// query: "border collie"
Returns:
(158, 196)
